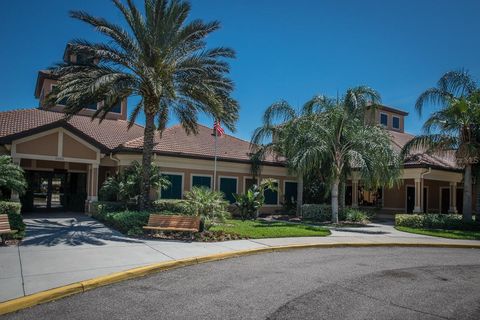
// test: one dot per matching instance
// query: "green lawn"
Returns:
(451, 234)
(261, 229)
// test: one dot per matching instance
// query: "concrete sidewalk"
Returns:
(66, 249)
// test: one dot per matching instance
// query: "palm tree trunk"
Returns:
(477, 207)
(334, 193)
(148, 141)
(467, 193)
(299, 195)
(341, 195)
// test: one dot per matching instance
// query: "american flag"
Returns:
(217, 129)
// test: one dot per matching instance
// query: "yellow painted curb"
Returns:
(82, 286)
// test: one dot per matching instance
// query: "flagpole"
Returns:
(215, 161)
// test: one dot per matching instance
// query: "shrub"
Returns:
(317, 212)
(432, 221)
(101, 208)
(209, 205)
(12, 209)
(250, 202)
(127, 222)
(171, 205)
(125, 186)
(8, 207)
(355, 215)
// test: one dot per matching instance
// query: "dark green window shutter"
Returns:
(271, 197)
(290, 191)
(228, 186)
(199, 181)
(174, 191)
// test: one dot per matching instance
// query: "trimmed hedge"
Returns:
(177, 206)
(127, 222)
(13, 209)
(7, 207)
(433, 221)
(317, 212)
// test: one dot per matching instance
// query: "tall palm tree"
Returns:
(160, 57)
(454, 127)
(327, 134)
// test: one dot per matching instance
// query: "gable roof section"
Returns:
(106, 135)
(174, 141)
(419, 159)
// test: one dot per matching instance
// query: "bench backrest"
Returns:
(181, 222)
(4, 223)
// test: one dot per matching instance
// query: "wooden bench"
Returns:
(5, 227)
(173, 223)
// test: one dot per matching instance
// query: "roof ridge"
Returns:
(229, 135)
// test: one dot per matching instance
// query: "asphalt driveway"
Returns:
(62, 248)
(342, 283)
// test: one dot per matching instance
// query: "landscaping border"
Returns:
(82, 286)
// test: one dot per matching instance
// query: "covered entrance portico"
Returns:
(421, 190)
(61, 170)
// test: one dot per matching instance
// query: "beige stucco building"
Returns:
(66, 161)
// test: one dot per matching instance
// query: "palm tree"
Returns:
(455, 127)
(11, 176)
(327, 134)
(162, 59)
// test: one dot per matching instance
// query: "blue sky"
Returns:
(287, 50)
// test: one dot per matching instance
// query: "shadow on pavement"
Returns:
(68, 229)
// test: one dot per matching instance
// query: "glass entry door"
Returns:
(48, 190)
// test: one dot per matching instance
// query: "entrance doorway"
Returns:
(48, 190)
(54, 191)
(445, 202)
(410, 199)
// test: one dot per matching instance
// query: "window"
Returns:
(174, 191)
(290, 192)
(62, 102)
(271, 197)
(228, 186)
(396, 122)
(249, 182)
(117, 108)
(91, 106)
(383, 119)
(202, 181)
(369, 198)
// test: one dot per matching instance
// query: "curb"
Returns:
(82, 286)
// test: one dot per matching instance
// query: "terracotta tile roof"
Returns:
(109, 134)
(175, 141)
(445, 160)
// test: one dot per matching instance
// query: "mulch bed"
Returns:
(205, 236)
(11, 242)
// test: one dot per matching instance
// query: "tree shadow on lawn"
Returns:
(72, 232)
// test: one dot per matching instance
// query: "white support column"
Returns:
(418, 195)
(92, 186)
(453, 198)
(94, 181)
(14, 196)
(354, 193)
